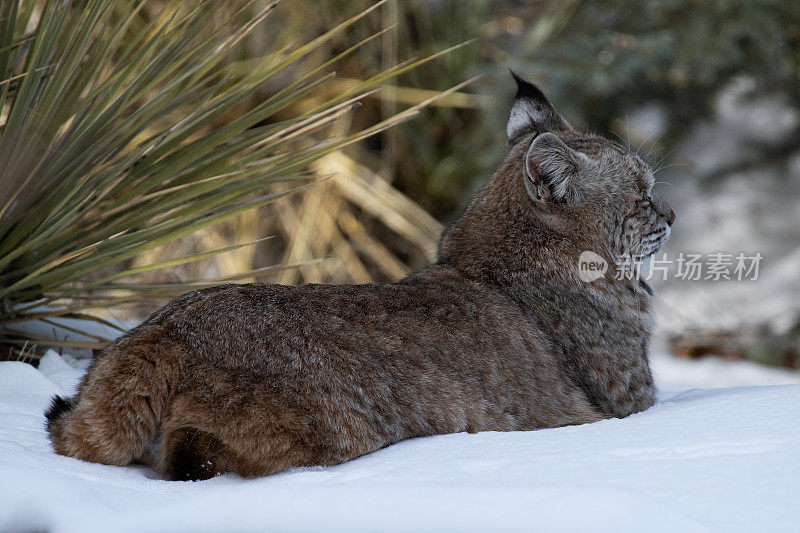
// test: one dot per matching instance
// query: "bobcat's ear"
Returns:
(551, 169)
(532, 112)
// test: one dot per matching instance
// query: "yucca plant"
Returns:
(110, 143)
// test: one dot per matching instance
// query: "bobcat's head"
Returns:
(573, 175)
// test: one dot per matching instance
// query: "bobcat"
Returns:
(500, 334)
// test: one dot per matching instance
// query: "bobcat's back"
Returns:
(269, 377)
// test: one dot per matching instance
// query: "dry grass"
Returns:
(132, 146)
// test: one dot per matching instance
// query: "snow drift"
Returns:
(699, 460)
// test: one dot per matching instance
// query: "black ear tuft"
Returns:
(526, 89)
(532, 111)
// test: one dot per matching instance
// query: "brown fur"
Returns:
(499, 334)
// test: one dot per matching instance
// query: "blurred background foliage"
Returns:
(707, 90)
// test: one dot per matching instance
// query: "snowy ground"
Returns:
(700, 460)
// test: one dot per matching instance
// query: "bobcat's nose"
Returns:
(671, 217)
(663, 208)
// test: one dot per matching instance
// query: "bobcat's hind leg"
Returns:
(238, 425)
(120, 401)
(190, 454)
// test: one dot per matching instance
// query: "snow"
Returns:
(700, 460)
(712, 372)
(63, 329)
